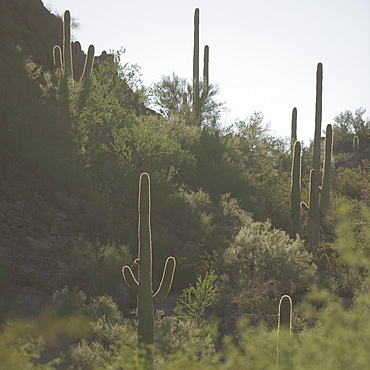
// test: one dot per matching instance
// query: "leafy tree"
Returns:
(194, 300)
(172, 96)
(348, 124)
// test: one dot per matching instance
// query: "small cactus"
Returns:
(355, 144)
(283, 358)
(142, 286)
(323, 261)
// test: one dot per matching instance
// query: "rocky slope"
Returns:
(28, 25)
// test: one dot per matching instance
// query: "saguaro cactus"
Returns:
(142, 286)
(63, 63)
(323, 261)
(319, 195)
(283, 358)
(355, 145)
(296, 188)
(198, 99)
(63, 58)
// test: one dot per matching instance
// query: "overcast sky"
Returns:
(263, 54)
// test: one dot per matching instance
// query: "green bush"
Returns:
(99, 265)
(260, 265)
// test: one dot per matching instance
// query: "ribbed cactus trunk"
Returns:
(145, 294)
(293, 135)
(313, 234)
(67, 45)
(321, 266)
(143, 285)
(205, 74)
(355, 144)
(318, 118)
(296, 189)
(199, 99)
(196, 100)
(326, 178)
(319, 195)
(283, 358)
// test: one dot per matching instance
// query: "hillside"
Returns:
(236, 224)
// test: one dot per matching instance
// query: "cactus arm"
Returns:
(296, 188)
(314, 213)
(67, 46)
(205, 74)
(293, 136)
(318, 117)
(89, 61)
(166, 282)
(325, 193)
(130, 279)
(355, 144)
(57, 57)
(322, 269)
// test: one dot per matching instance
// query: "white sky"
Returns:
(263, 54)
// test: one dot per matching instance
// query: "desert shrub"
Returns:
(104, 306)
(174, 335)
(21, 346)
(351, 182)
(264, 262)
(194, 300)
(68, 302)
(99, 265)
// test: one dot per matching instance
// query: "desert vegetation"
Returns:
(232, 220)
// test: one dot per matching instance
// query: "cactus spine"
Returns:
(296, 189)
(197, 99)
(142, 286)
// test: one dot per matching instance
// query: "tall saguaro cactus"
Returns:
(319, 195)
(319, 188)
(142, 286)
(63, 62)
(198, 99)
